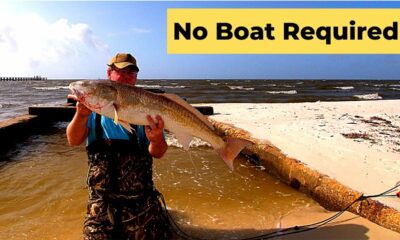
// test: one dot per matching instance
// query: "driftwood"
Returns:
(329, 193)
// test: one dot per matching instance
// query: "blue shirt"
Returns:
(113, 131)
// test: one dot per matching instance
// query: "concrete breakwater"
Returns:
(329, 193)
(41, 118)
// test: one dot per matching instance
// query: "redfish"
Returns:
(127, 104)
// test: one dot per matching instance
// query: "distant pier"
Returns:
(34, 78)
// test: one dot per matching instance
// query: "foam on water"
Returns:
(241, 88)
(148, 86)
(290, 92)
(51, 88)
(196, 142)
(345, 87)
(372, 96)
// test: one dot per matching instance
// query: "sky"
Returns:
(75, 40)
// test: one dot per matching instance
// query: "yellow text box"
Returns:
(283, 31)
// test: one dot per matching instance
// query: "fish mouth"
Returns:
(75, 94)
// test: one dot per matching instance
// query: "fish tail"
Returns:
(232, 148)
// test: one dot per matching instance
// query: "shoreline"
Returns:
(315, 134)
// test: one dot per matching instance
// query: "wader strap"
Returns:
(99, 129)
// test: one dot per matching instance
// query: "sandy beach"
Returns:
(356, 143)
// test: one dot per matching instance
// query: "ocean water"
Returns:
(16, 97)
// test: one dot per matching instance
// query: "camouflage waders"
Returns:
(123, 203)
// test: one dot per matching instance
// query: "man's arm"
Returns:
(154, 132)
(77, 129)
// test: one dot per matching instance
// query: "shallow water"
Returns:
(43, 194)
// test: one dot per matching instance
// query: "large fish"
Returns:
(129, 104)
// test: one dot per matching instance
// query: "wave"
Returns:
(290, 92)
(51, 88)
(345, 87)
(10, 104)
(180, 86)
(372, 96)
(196, 142)
(148, 86)
(159, 86)
(241, 88)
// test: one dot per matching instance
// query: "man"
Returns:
(123, 202)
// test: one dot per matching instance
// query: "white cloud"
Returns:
(29, 42)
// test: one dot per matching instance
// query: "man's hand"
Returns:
(76, 129)
(154, 132)
(81, 109)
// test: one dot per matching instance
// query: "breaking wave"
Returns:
(372, 96)
(51, 88)
(180, 86)
(159, 86)
(148, 86)
(241, 88)
(290, 92)
(196, 142)
(345, 88)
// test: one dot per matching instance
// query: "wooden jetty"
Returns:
(34, 78)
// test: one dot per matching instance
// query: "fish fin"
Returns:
(188, 107)
(232, 148)
(116, 119)
(126, 125)
(184, 140)
(110, 107)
